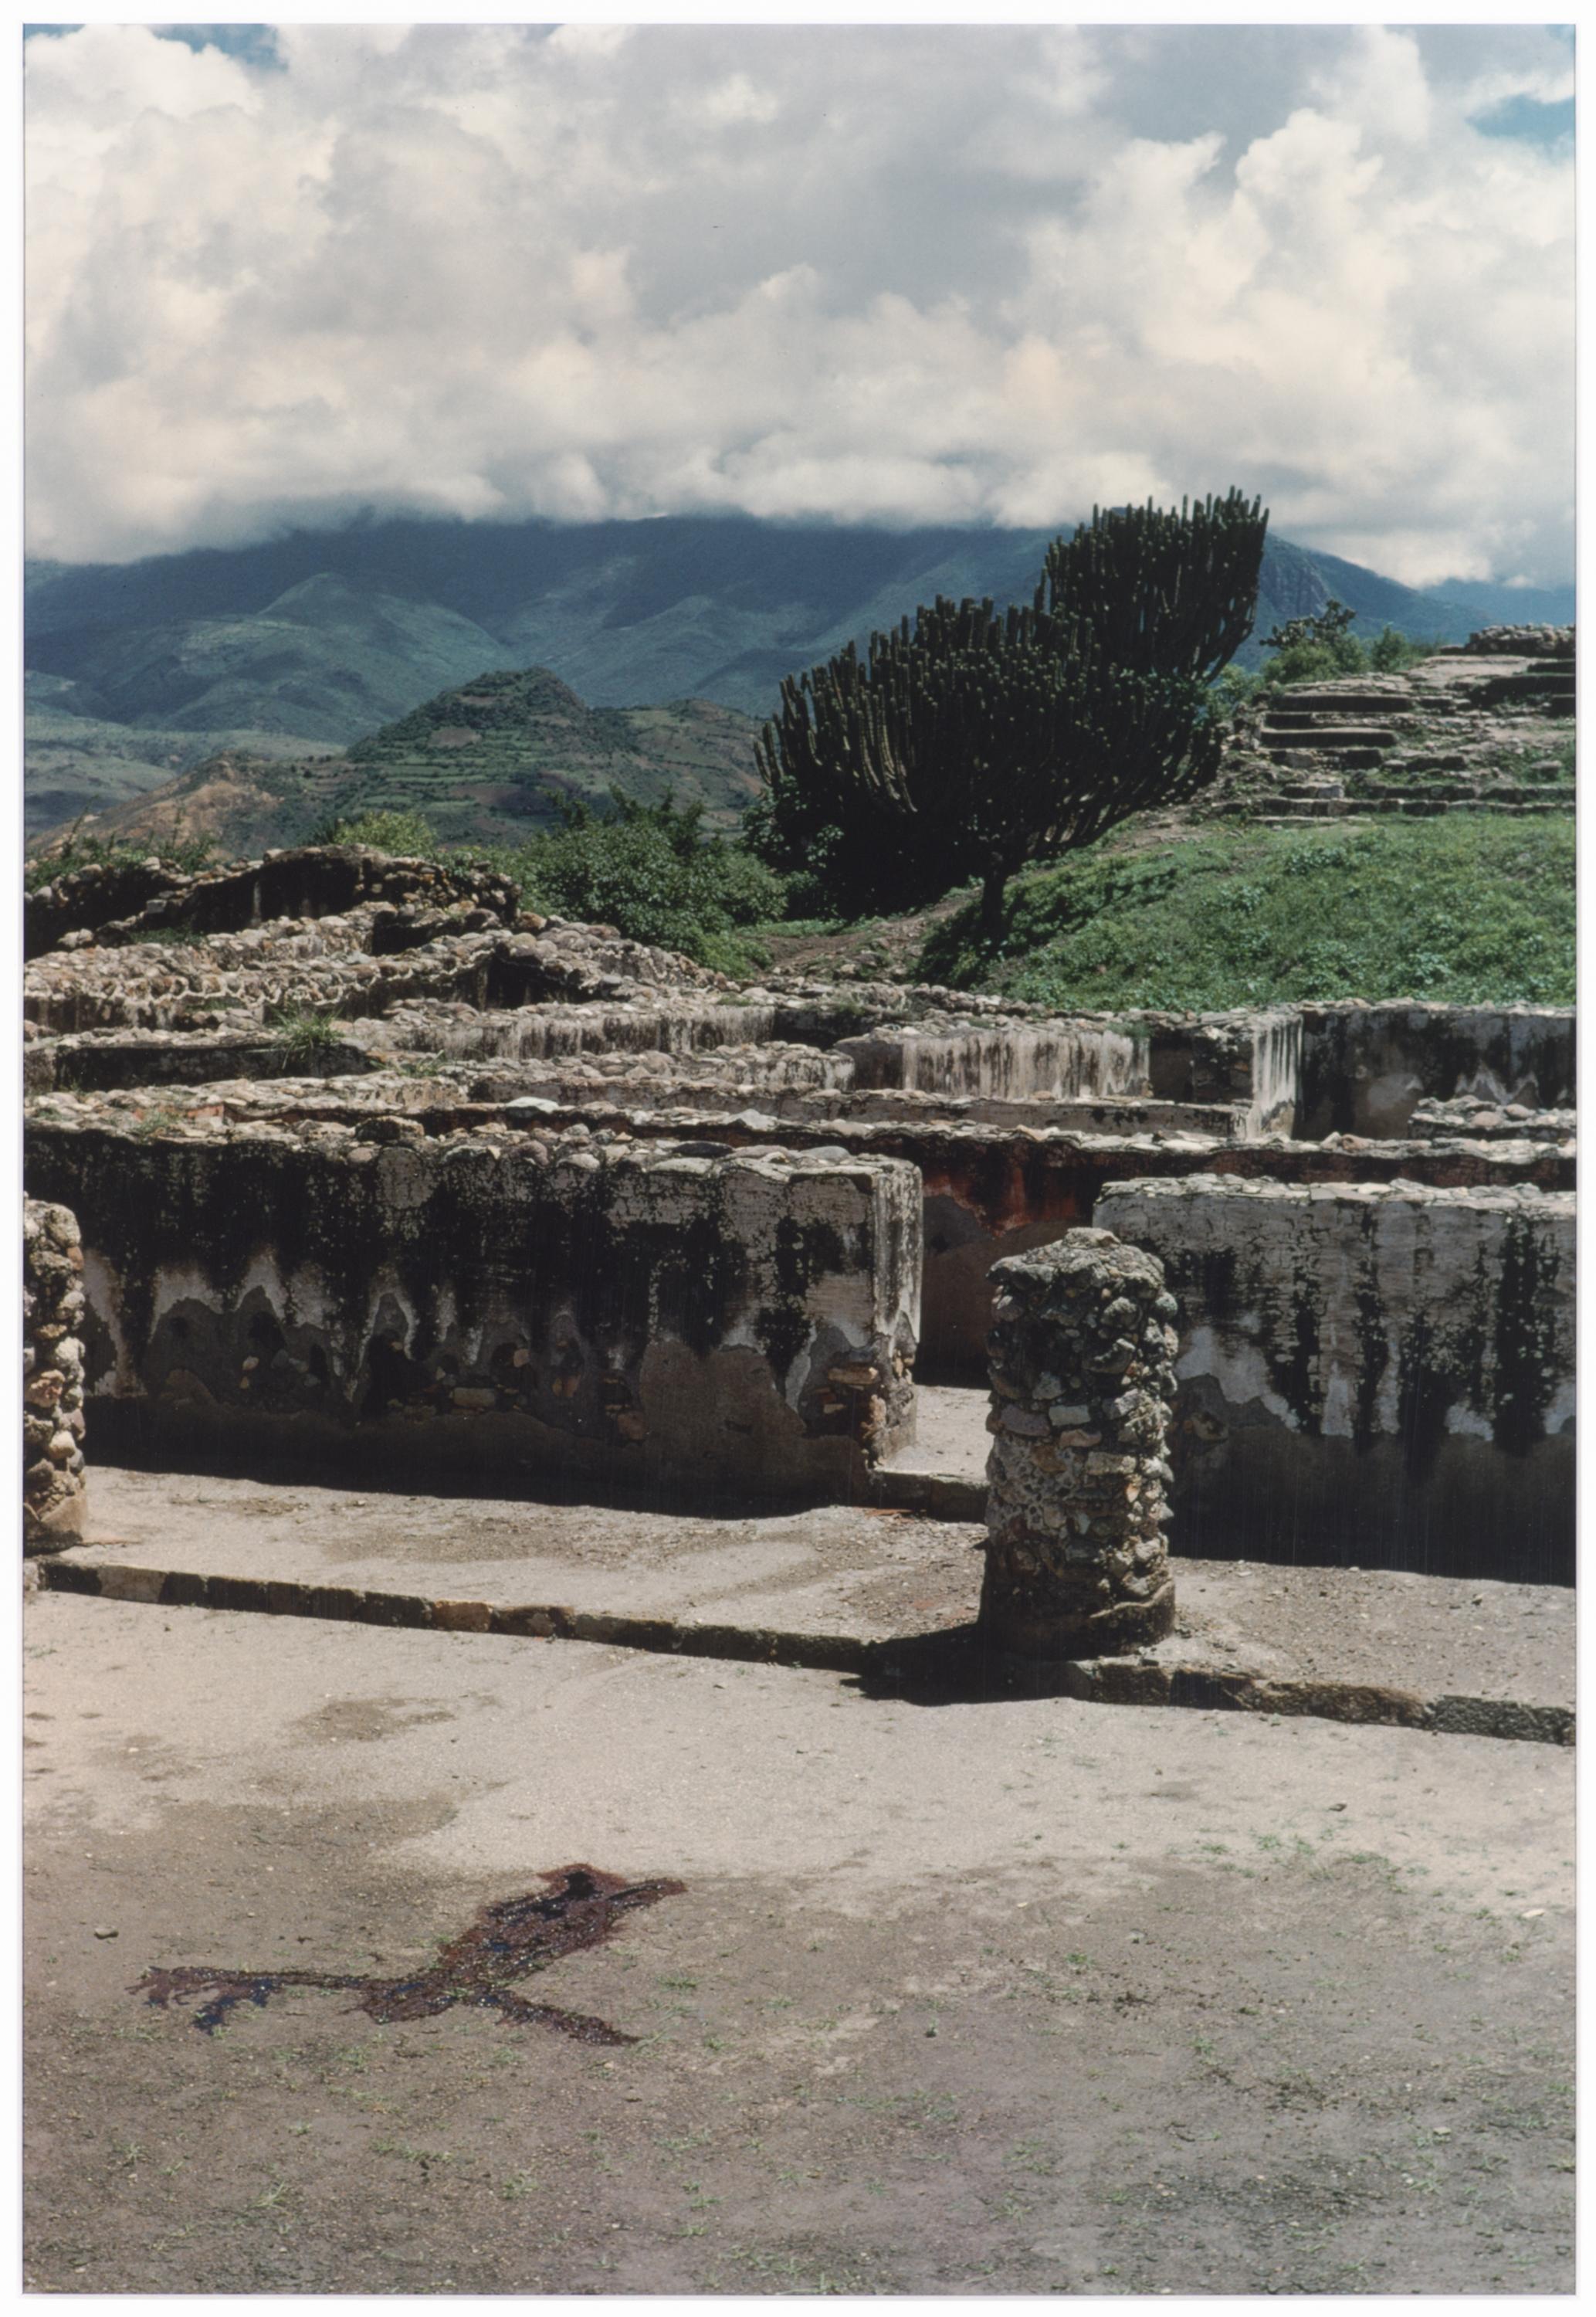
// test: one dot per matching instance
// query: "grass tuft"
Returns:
(302, 1032)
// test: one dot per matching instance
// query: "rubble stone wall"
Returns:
(1376, 1373)
(675, 1315)
(1077, 1563)
(54, 1499)
(115, 902)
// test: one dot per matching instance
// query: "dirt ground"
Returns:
(1023, 1997)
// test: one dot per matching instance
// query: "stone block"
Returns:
(1382, 1373)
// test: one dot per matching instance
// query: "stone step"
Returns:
(1320, 733)
(1290, 812)
(1295, 820)
(1352, 703)
(1344, 759)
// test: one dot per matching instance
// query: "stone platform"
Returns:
(886, 1595)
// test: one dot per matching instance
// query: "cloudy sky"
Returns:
(920, 273)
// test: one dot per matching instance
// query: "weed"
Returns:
(160, 1118)
(302, 1032)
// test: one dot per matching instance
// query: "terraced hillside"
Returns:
(1484, 726)
(487, 762)
(501, 752)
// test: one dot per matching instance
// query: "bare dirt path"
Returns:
(1012, 1998)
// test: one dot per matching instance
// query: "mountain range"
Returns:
(140, 672)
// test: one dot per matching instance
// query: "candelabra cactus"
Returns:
(969, 741)
(1165, 594)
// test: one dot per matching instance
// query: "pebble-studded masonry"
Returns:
(53, 1489)
(1077, 1563)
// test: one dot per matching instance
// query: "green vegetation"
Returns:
(648, 871)
(302, 1031)
(495, 759)
(1469, 909)
(1314, 649)
(185, 855)
(972, 742)
(408, 833)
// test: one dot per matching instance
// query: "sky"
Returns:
(895, 274)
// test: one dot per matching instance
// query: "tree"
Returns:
(1318, 645)
(971, 741)
(1164, 594)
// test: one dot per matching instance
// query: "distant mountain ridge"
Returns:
(322, 636)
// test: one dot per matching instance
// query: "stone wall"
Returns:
(1366, 1069)
(1378, 1374)
(1249, 1059)
(53, 1491)
(1244, 1061)
(116, 902)
(989, 1190)
(1536, 642)
(674, 1315)
(1019, 1060)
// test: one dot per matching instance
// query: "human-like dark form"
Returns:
(509, 1940)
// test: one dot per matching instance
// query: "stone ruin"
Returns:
(1077, 1562)
(53, 1488)
(1479, 725)
(374, 1171)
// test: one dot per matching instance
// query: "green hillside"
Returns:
(324, 660)
(76, 763)
(1472, 908)
(487, 763)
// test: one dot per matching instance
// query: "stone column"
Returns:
(53, 1498)
(1081, 1348)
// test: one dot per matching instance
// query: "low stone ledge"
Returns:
(1148, 1680)
(1502, 1717)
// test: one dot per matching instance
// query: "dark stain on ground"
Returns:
(508, 1940)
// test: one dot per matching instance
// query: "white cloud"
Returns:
(895, 274)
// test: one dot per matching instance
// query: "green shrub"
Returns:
(1392, 652)
(185, 855)
(408, 833)
(1323, 645)
(1473, 908)
(648, 871)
